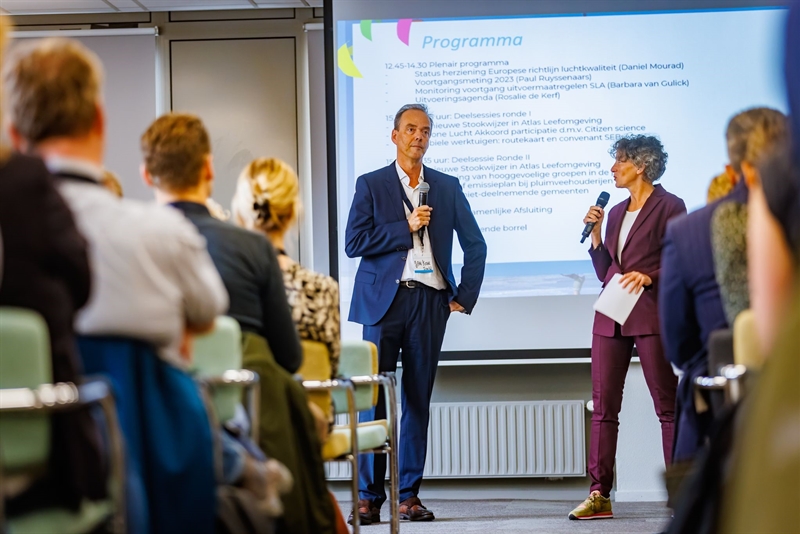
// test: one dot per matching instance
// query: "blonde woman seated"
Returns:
(267, 201)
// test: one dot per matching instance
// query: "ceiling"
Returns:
(42, 7)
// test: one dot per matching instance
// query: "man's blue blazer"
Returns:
(377, 231)
(690, 308)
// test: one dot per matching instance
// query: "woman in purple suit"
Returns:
(632, 248)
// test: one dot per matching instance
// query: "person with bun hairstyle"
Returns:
(267, 200)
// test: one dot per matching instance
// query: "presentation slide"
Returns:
(525, 110)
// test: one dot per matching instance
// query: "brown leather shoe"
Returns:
(412, 509)
(368, 513)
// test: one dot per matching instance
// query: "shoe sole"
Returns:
(365, 522)
(405, 517)
(608, 515)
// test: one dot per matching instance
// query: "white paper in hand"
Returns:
(615, 301)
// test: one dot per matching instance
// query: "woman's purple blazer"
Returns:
(642, 253)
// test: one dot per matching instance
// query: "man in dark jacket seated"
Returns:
(178, 163)
(690, 305)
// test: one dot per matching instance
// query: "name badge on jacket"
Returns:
(423, 262)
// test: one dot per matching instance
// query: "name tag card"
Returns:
(423, 263)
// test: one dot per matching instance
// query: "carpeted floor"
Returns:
(520, 517)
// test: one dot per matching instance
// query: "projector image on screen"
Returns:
(525, 109)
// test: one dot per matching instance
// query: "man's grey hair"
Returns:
(53, 87)
(644, 151)
(408, 107)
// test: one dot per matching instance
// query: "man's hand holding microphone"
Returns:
(417, 221)
(421, 216)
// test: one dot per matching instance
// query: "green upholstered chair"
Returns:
(27, 398)
(358, 365)
(217, 362)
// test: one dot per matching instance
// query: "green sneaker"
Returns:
(594, 507)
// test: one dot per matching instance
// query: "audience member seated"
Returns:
(710, 498)
(690, 304)
(152, 275)
(267, 200)
(178, 164)
(764, 482)
(153, 284)
(46, 269)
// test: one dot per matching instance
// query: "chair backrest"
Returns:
(373, 349)
(746, 347)
(358, 358)
(316, 366)
(216, 352)
(24, 363)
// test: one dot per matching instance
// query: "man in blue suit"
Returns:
(690, 305)
(405, 290)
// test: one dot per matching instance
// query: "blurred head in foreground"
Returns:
(755, 137)
(54, 101)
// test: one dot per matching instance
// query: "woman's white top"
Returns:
(625, 229)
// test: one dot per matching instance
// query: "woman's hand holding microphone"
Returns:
(596, 215)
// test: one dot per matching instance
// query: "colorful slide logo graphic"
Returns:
(345, 60)
(345, 53)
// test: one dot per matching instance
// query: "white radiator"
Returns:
(500, 440)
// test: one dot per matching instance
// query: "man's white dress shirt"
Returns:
(433, 279)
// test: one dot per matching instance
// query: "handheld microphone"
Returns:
(424, 187)
(602, 200)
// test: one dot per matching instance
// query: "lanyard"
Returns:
(410, 207)
(404, 196)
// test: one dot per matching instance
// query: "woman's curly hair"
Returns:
(644, 151)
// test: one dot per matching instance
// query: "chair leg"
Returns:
(394, 461)
(119, 523)
(354, 483)
(394, 482)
